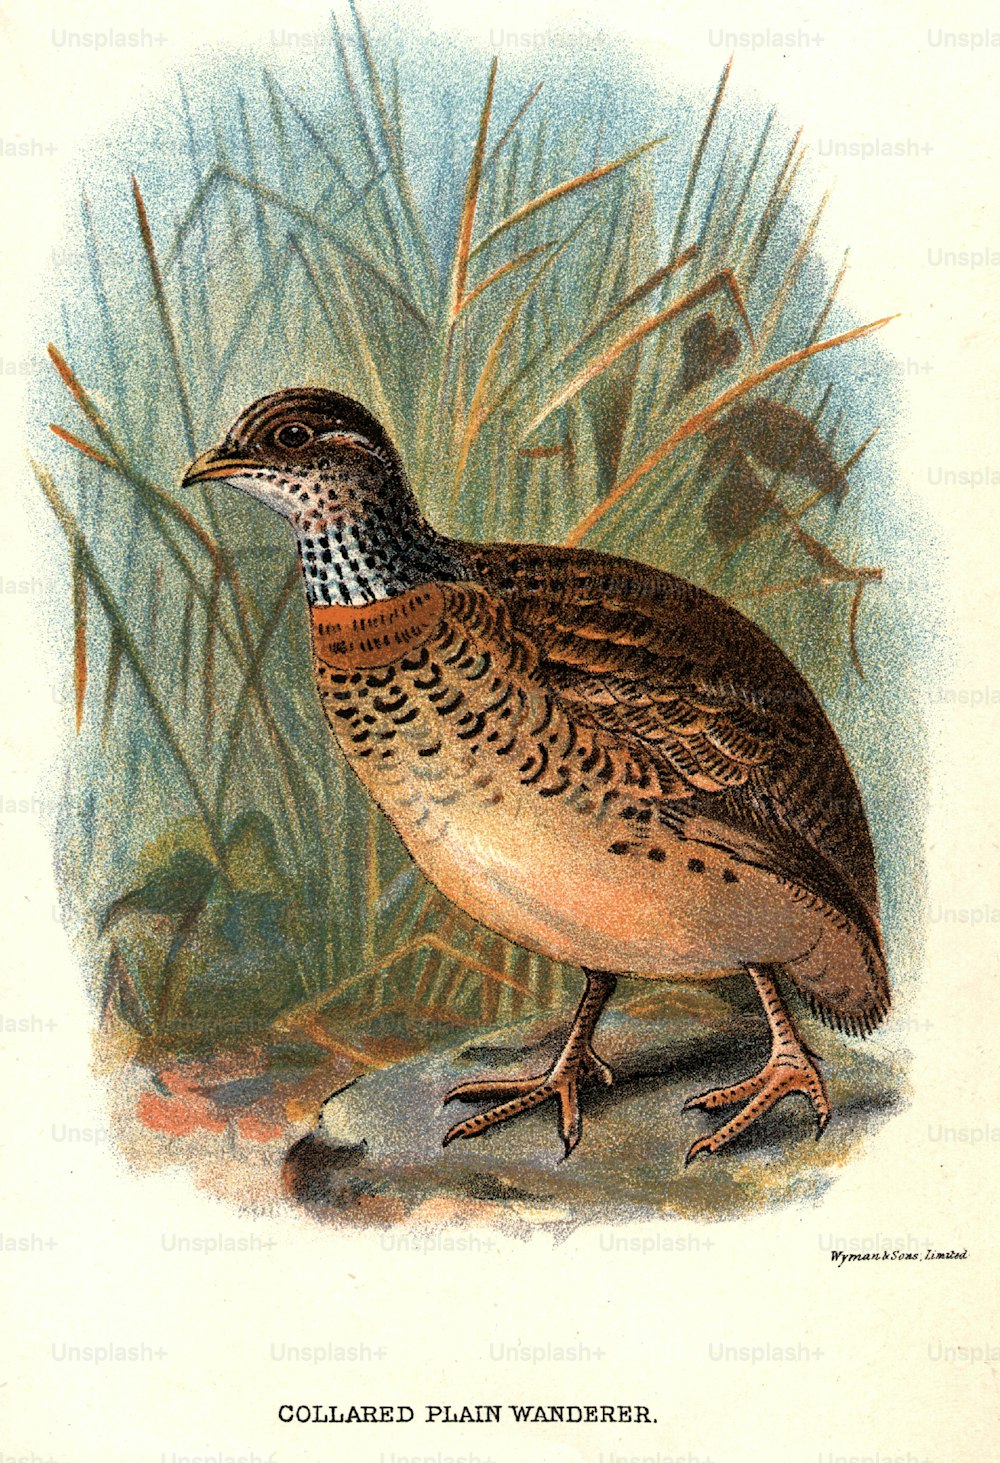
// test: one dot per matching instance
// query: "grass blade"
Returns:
(134, 657)
(112, 682)
(696, 161)
(634, 336)
(393, 144)
(635, 296)
(503, 270)
(478, 412)
(80, 445)
(460, 267)
(79, 582)
(560, 191)
(166, 321)
(81, 397)
(702, 419)
(250, 682)
(354, 332)
(509, 130)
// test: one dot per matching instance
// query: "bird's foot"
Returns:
(791, 1069)
(516, 1095)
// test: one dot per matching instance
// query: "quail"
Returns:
(594, 758)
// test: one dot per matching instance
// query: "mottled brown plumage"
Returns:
(734, 735)
(595, 758)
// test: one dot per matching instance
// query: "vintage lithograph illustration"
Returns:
(472, 505)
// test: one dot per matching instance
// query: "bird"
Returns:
(597, 759)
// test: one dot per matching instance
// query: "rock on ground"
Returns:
(375, 1155)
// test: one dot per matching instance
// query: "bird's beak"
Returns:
(215, 463)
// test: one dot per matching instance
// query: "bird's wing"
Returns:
(746, 756)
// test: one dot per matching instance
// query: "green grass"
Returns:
(515, 330)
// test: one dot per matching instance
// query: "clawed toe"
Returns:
(785, 1075)
(528, 1093)
(516, 1095)
(791, 1069)
(703, 1145)
(487, 1090)
(511, 1096)
(600, 1071)
(717, 1097)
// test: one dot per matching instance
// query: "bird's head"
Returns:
(329, 467)
(319, 459)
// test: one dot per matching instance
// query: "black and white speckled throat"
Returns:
(358, 562)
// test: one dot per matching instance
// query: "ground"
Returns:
(371, 1153)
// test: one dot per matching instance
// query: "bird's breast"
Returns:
(360, 637)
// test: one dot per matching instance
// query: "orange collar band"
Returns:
(360, 636)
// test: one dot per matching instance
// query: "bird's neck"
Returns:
(362, 561)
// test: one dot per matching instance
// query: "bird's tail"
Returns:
(844, 978)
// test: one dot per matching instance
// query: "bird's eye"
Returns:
(293, 435)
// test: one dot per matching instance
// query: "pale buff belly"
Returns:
(544, 876)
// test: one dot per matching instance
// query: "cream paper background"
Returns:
(890, 1362)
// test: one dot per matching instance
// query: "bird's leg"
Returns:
(790, 1068)
(576, 1061)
